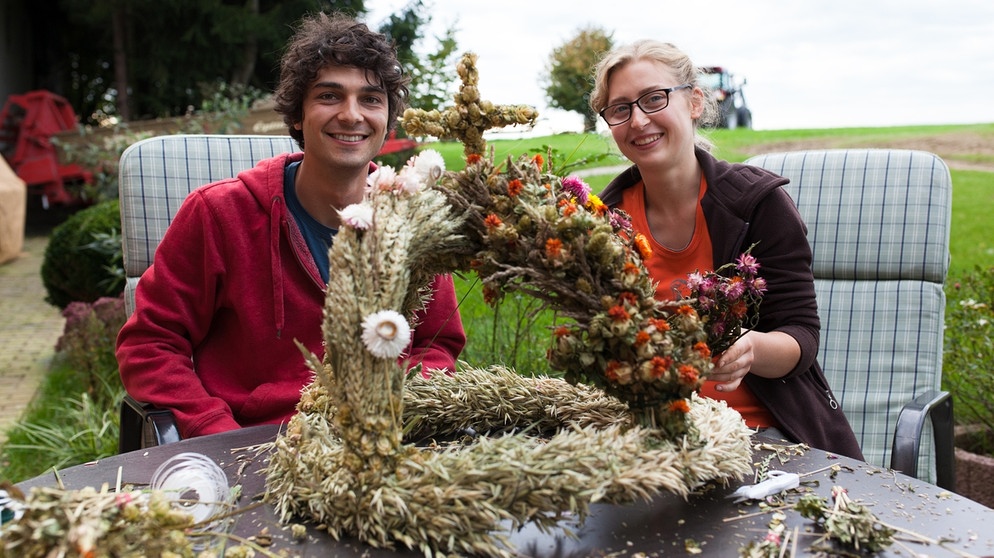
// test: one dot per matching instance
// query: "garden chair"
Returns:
(156, 175)
(878, 223)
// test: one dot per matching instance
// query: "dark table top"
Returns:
(663, 527)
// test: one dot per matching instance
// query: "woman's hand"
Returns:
(733, 364)
(770, 355)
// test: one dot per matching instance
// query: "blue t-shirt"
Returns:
(317, 236)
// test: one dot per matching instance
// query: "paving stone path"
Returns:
(29, 329)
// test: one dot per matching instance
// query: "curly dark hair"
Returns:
(323, 39)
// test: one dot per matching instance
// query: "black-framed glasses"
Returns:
(653, 101)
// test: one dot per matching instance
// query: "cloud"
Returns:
(846, 63)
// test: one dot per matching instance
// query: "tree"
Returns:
(431, 73)
(570, 68)
(137, 59)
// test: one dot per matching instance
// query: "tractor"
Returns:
(727, 91)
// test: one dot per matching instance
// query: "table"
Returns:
(662, 527)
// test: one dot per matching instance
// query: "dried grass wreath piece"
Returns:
(466, 496)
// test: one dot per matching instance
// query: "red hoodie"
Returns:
(234, 284)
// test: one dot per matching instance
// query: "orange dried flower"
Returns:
(642, 244)
(618, 313)
(660, 365)
(473, 158)
(739, 308)
(660, 324)
(553, 248)
(702, 349)
(686, 310)
(629, 298)
(611, 372)
(561, 331)
(514, 187)
(492, 221)
(688, 375)
(641, 338)
(539, 160)
(490, 295)
(631, 268)
(679, 406)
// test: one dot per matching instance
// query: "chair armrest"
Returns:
(938, 406)
(144, 425)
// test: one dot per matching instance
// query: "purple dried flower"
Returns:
(757, 286)
(619, 221)
(577, 188)
(734, 289)
(747, 264)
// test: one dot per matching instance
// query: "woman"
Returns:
(700, 213)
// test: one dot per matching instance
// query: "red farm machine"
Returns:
(27, 123)
(732, 110)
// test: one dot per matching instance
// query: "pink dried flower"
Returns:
(576, 188)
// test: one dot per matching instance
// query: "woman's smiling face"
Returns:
(652, 139)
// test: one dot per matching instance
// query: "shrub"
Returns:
(968, 353)
(88, 340)
(84, 259)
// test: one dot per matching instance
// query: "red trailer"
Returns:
(27, 123)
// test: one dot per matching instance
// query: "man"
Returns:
(241, 272)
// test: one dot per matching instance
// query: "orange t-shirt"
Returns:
(669, 269)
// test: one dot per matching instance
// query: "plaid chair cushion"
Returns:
(878, 224)
(157, 174)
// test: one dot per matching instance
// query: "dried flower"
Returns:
(492, 221)
(358, 216)
(382, 178)
(514, 187)
(642, 243)
(386, 333)
(595, 205)
(429, 165)
(577, 188)
(727, 304)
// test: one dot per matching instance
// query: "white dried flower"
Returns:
(408, 181)
(386, 333)
(429, 165)
(358, 216)
(383, 178)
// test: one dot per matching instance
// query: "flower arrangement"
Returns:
(553, 239)
(607, 435)
(727, 300)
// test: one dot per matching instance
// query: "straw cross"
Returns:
(470, 116)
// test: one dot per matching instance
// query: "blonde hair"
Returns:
(656, 51)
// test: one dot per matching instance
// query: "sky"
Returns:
(845, 63)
